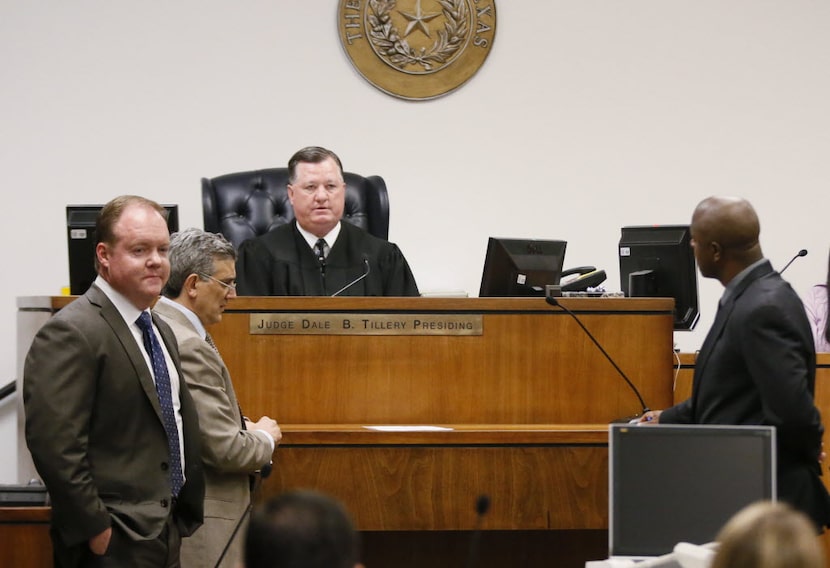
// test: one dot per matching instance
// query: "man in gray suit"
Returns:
(111, 427)
(202, 280)
(757, 364)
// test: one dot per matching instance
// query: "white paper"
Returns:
(400, 428)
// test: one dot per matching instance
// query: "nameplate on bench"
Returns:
(365, 324)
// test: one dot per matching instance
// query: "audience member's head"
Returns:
(768, 535)
(301, 529)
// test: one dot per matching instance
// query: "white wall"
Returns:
(588, 115)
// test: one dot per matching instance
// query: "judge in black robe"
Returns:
(352, 262)
(281, 263)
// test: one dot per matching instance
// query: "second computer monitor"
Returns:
(658, 261)
(521, 267)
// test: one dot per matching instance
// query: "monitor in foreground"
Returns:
(672, 483)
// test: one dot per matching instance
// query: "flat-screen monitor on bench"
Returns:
(81, 237)
(657, 261)
(521, 267)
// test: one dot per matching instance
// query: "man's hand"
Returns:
(267, 425)
(651, 417)
(100, 542)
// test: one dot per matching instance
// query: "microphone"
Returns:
(554, 302)
(482, 506)
(366, 271)
(263, 472)
(802, 252)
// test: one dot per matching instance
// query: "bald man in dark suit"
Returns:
(757, 364)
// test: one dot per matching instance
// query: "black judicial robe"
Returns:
(280, 263)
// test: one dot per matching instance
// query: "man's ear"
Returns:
(717, 251)
(189, 286)
(102, 255)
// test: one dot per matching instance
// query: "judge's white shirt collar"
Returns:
(330, 237)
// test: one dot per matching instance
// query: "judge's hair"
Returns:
(311, 155)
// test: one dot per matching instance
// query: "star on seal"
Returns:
(417, 49)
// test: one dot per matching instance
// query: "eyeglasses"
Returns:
(228, 285)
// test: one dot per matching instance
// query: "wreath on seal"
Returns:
(397, 51)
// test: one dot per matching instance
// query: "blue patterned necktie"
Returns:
(163, 389)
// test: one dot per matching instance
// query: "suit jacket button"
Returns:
(164, 466)
(164, 503)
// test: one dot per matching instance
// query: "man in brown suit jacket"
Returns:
(110, 448)
(202, 280)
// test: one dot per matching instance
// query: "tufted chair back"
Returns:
(248, 204)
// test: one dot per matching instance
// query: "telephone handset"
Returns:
(588, 277)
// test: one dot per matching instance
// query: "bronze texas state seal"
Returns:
(417, 49)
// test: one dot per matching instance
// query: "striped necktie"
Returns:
(210, 342)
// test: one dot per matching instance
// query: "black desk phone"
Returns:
(587, 277)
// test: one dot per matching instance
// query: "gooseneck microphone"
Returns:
(482, 506)
(366, 271)
(263, 473)
(554, 302)
(802, 252)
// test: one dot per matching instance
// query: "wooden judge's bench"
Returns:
(522, 392)
(410, 409)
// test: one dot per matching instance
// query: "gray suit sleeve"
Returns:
(225, 445)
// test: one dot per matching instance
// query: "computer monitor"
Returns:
(658, 261)
(680, 483)
(81, 238)
(521, 267)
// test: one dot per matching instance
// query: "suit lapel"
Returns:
(169, 342)
(122, 332)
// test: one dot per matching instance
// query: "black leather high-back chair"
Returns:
(243, 205)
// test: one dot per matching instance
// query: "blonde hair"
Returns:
(768, 535)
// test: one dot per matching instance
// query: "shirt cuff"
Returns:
(268, 437)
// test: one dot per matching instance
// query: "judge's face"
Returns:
(318, 196)
(136, 263)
